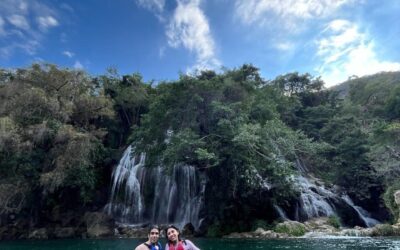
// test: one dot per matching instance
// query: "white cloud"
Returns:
(288, 13)
(345, 51)
(153, 5)
(68, 53)
(46, 22)
(28, 47)
(17, 25)
(78, 65)
(189, 28)
(67, 7)
(284, 46)
(19, 21)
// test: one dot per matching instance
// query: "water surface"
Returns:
(211, 244)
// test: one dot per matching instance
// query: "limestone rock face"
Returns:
(99, 225)
(397, 200)
(39, 234)
(132, 232)
(64, 232)
(397, 197)
(188, 230)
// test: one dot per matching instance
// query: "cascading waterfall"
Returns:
(316, 200)
(150, 195)
(126, 202)
(362, 213)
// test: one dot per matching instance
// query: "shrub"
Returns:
(389, 200)
(291, 228)
(334, 221)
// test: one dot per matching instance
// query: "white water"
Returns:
(126, 182)
(315, 198)
(150, 195)
(281, 213)
(364, 215)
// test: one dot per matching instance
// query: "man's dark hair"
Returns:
(153, 227)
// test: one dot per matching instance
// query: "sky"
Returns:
(160, 39)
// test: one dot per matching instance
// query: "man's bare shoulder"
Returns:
(141, 247)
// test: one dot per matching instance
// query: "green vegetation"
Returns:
(334, 221)
(61, 131)
(291, 229)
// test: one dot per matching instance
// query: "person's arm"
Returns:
(191, 246)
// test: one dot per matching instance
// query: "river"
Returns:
(211, 244)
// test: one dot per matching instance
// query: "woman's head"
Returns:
(172, 233)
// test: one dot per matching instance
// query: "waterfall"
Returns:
(281, 213)
(151, 195)
(316, 200)
(125, 200)
(362, 213)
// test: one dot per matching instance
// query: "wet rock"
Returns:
(397, 200)
(385, 230)
(64, 232)
(99, 225)
(188, 230)
(320, 225)
(38, 234)
(258, 233)
(132, 232)
(397, 197)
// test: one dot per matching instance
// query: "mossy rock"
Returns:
(292, 228)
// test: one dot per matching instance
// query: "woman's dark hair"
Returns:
(174, 227)
(153, 227)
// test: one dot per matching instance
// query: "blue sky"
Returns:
(333, 39)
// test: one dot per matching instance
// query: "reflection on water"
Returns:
(212, 244)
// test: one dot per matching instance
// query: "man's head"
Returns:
(154, 234)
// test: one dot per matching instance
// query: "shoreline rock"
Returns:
(317, 228)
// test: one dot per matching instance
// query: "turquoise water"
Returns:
(212, 244)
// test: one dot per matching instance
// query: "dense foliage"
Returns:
(59, 130)
(62, 130)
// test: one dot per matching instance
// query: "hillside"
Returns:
(256, 150)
